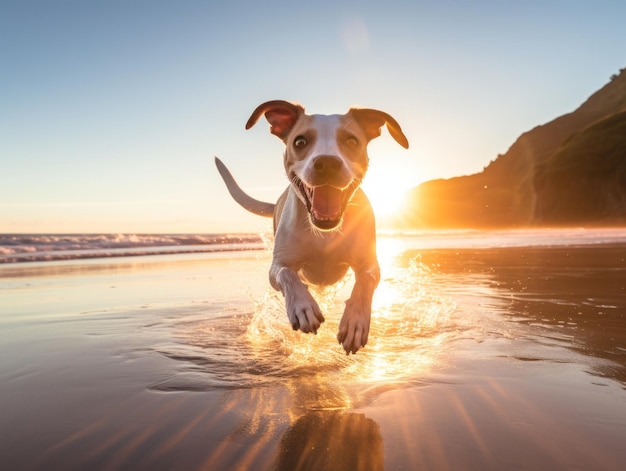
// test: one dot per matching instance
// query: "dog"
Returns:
(323, 222)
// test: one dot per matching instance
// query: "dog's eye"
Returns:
(352, 142)
(299, 142)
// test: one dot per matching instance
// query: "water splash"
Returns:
(244, 347)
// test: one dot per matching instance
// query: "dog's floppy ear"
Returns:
(372, 120)
(281, 115)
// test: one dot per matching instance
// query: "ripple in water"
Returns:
(242, 348)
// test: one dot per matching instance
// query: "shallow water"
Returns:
(479, 358)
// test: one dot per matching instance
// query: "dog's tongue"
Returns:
(326, 202)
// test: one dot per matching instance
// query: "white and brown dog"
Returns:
(323, 222)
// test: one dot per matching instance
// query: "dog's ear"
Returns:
(372, 120)
(281, 115)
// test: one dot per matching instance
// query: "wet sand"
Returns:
(494, 358)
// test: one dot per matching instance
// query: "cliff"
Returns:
(532, 182)
(585, 180)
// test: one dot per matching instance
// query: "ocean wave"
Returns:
(15, 248)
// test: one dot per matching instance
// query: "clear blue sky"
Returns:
(111, 111)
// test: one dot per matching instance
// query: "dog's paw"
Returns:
(354, 329)
(304, 313)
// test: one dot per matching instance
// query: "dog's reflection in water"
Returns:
(331, 440)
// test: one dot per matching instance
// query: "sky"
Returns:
(111, 112)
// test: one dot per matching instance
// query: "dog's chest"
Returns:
(327, 259)
(324, 272)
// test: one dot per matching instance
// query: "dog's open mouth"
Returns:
(326, 204)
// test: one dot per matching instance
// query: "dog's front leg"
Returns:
(354, 327)
(302, 310)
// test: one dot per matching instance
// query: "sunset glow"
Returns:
(386, 185)
(386, 199)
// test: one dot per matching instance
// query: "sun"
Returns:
(386, 191)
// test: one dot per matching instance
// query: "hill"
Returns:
(535, 180)
(585, 180)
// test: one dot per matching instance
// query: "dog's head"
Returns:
(326, 155)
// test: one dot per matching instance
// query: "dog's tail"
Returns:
(247, 202)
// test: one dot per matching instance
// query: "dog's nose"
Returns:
(327, 165)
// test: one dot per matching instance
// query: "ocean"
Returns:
(17, 248)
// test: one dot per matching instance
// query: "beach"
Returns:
(487, 350)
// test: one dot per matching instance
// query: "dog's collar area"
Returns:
(325, 204)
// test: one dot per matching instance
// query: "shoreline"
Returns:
(132, 245)
(125, 253)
